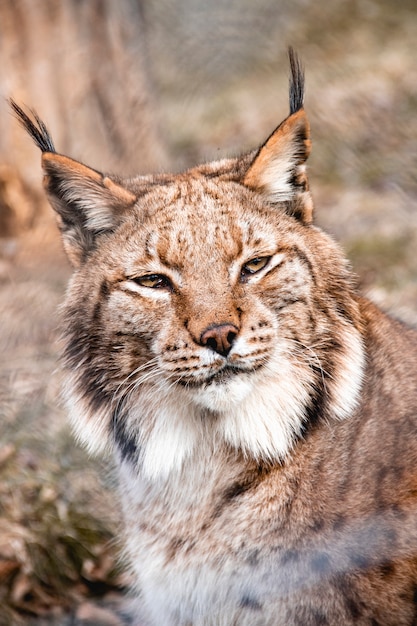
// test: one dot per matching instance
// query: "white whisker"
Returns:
(123, 390)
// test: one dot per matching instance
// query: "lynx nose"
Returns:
(219, 337)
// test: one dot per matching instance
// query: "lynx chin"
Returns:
(262, 414)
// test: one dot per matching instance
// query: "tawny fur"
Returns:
(261, 413)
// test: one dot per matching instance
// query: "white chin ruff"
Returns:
(257, 414)
(222, 397)
(260, 414)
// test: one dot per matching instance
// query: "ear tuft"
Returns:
(35, 127)
(296, 82)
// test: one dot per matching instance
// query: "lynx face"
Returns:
(205, 309)
(204, 318)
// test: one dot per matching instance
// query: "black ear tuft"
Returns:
(35, 127)
(296, 82)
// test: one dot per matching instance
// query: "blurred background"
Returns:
(151, 85)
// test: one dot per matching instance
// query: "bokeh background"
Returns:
(147, 85)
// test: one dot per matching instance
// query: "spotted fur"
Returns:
(261, 413)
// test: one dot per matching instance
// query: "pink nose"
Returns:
(219, 337)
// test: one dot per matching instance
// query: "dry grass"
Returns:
(52, 550)
(57, 531)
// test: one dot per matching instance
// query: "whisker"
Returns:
(124, 388)
(315, 359)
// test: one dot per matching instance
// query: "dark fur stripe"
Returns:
(124, 440)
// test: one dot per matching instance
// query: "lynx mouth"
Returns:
(224, 375)
(221, 377)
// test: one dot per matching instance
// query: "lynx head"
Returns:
(205, 309)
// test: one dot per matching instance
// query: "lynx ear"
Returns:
(87, 202)
(278, 170)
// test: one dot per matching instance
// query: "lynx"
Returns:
(261, 412)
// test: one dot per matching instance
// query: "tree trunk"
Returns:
(82, 67)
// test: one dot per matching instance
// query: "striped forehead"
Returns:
(204, 219)
(197, 218)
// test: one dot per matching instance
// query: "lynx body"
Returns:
(262, 414)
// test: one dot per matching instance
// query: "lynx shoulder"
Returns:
(262, 414)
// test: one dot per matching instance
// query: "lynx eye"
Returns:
(153, 281)
(254, 265)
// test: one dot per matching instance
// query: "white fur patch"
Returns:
(276, 177)
(93, 201)
(90, 428)
(347, 382)
(175, 434)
